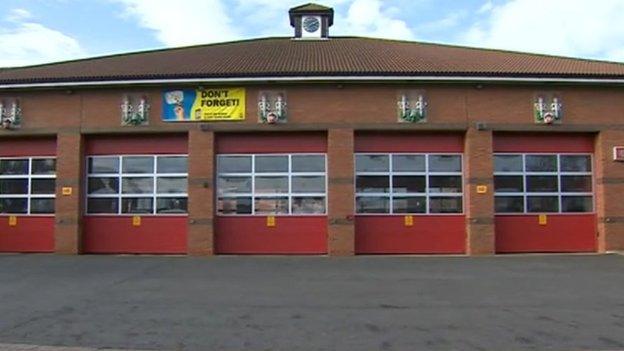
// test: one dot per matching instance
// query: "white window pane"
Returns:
(271, 185)
(13, 166)
(227, 185)
(577, 204)
(444, 163)
(137, 185)
(445, 204)
(103, 185)
(103, 164)
(14, 186)
(308, 163)
(308, 184)
(42, 186)
(507, 163)
(541, 163)
(308, 205)
(372, 163)
(171, 205)
(41, 206)
(171, 185)
(137, 205)
(508, 184)
(44, 166)
(137, 164)
(408, 163)
(509, 204)
(271, 205)
(576, 163)
(234, 164)
(14, 205)
(409, 204)
(542, 204)
(172, 164)
(542, 184)
(103, 205)
(270, 164)
(234, 205)
(372, 184)
(372, 204)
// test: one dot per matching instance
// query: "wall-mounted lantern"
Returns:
(412, 107)
(10, 114)
(134, 111)
(547, 110)
(272, 107)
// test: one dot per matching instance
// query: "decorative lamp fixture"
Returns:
(11, 115)
(134, 114)
(412, 110)
(547, 111)
(272, 107)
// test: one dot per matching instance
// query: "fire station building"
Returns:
(313, 144)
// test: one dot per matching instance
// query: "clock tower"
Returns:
(311, 21)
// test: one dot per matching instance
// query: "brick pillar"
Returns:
(341, 234)
(68, 206)
(609, 189)
(200, 193)
(479, 207)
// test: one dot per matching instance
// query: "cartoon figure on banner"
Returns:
(547, 112)
(10, 117)
(414, 112)
(134, 114)
(176, 98)
(272, 107)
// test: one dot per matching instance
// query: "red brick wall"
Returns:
(340, 110)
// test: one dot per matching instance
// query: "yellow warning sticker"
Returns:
(408, 220)
(542, 219)
(12, 221)
(136, 221)
(270, 222)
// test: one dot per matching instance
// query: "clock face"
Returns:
(311, 24)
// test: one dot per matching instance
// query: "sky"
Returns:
(40, 31)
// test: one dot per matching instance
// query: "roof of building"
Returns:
(336, 57)
(311, 9)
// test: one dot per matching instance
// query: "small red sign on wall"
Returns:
(618, 153)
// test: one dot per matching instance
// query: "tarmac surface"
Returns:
(553, 302)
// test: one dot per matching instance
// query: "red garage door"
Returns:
(136, 195)
(271, 194)
(544, 194)
(27, 188)
(409, 193)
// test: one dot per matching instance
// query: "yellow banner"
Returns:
(204, 105)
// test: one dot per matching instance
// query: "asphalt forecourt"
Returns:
(537, 302)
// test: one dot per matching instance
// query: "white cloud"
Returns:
(444, 24)
(206, 21)
(486, 7)
(369, 18)
(562, 27)
(178, 23)
(16, 15)
(24, 42)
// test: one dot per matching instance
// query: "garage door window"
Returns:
(292, 184)
(543, 183)
(137, 184)
(27, 185)
(408, 183)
